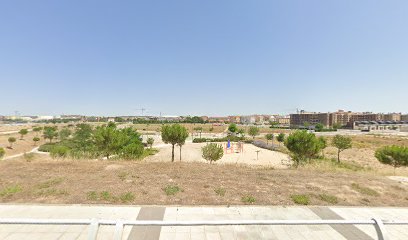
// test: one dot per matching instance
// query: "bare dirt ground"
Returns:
(43, 180)
(191, 152)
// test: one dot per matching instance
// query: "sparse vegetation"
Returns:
(364, 190)
(248, 199)
(127, 197)
(220, 191)
(150, 142)
(2, 152)
(300, 199)
(171, 190)
(10, 190)
(328, 198)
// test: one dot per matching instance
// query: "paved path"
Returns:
(42, 232)
(34, 150)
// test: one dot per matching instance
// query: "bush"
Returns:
(132, 151)
(212, 152)
(395, 156)
(59, 151)
(248, 199)
(224, 139)
(171, 189)
(300, 199)
(303, 146)
(47, 147)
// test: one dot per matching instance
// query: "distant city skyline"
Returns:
(208, 58)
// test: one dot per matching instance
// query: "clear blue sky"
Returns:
(202, 57)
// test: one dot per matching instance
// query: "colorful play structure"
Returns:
(235, 147)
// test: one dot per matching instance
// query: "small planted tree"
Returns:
(11, 140)
(22, 133)
(396, 156)
(281, 137)
(182, 136)
(269, 137)
(36, 140)
(253, 131)
(341, 143)
(212, 152)
(199, 130)
(172, 134)
(303, 146)
(2, 152)
(150, 141)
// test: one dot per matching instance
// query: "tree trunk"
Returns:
(172, 153)
(338, 156)
(180, 153)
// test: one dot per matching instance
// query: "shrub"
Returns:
(46, 147)
(171, 189)
(127, 197)
(248, 199)
(220, 191)
(395, 156)
(212, 152)
(132, 151)
(59, 151)
(300, 199)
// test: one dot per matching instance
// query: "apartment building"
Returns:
(312, 118)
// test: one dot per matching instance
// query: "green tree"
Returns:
(82, 138)
(232, 128)
(253, 131)
(150, 141)
(337, 126)
(269, 137)
(11, 140)
(212, 152)
(182, 136)
(341, 143)
(2, 152)
(171, 134)
(36, 139)
(395, 156)
(37, 130)
(281, 137)
(50, 133)
(273, 124)
(22, 133)
(64, 134)
(108, 141)
(322, 144)
(199, 130)
(303, 146)
(319, 127)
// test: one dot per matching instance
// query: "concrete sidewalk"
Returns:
(201, 213)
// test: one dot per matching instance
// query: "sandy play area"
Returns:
(191, 152)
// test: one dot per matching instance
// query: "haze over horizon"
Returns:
(202, 58)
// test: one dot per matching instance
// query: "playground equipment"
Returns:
(235, 147)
